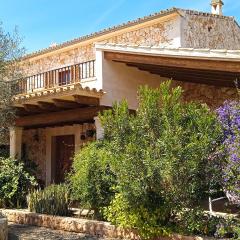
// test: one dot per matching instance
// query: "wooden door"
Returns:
(64, 152)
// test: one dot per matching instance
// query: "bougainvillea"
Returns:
(229, 116)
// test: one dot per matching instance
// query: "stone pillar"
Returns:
(16, 142)
(49, 142)
(77, 134)
(99, 129)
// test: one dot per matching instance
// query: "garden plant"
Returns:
(229, 117)
(53, 200)
(155, 166)
(15, 183)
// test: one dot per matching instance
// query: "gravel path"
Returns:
(26, 232)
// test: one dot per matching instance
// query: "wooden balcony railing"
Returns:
(55, 78)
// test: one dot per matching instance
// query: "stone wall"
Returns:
(159, 34)
(34, 149)
(162, 33)
(213, 96)
(191, 30)
(59, 60)
(90, 227)
(3, 228)
(206, 31)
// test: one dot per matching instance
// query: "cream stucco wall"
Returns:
(131, 78)
(122, 82)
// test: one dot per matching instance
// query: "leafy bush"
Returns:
(159, 157)
(15, 183)
(193, 221)
(53, 200)
(91, 179)
(4, 150)
(151, 164)
(148, 222)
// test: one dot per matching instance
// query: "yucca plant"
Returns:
(53, 200)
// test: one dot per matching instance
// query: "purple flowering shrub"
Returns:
(229, 117)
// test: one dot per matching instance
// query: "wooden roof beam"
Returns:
(84, 100)
(195, 79)
(65, 104)
(184, 62)
(48, 106)
(146, 67)
(33, 108)
(194, 75)
(73, 115)
(211, 77)
(21, 111)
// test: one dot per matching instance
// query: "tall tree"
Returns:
(11, 52)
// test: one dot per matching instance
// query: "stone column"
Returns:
(77, 133)
(49, 142)
(16, 142)
(99, 129)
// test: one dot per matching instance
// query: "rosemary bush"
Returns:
(53, 200)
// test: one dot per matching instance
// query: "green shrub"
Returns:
(193, 221)
(91, 180)
(4, 150)
(53, 200)
(148, 222)
(151, 164)
(15, 183)
(159, 157)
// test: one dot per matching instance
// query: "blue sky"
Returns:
(42, 22)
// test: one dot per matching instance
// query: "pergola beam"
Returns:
(202, 76)
(73, 115)
(65, 104)
(33, 108)
(48, 106)
(84, 100)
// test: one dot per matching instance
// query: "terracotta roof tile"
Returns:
(67, 90)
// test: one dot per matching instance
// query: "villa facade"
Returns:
(66, 85)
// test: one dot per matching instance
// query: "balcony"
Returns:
(66, 76)
(62, 96)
